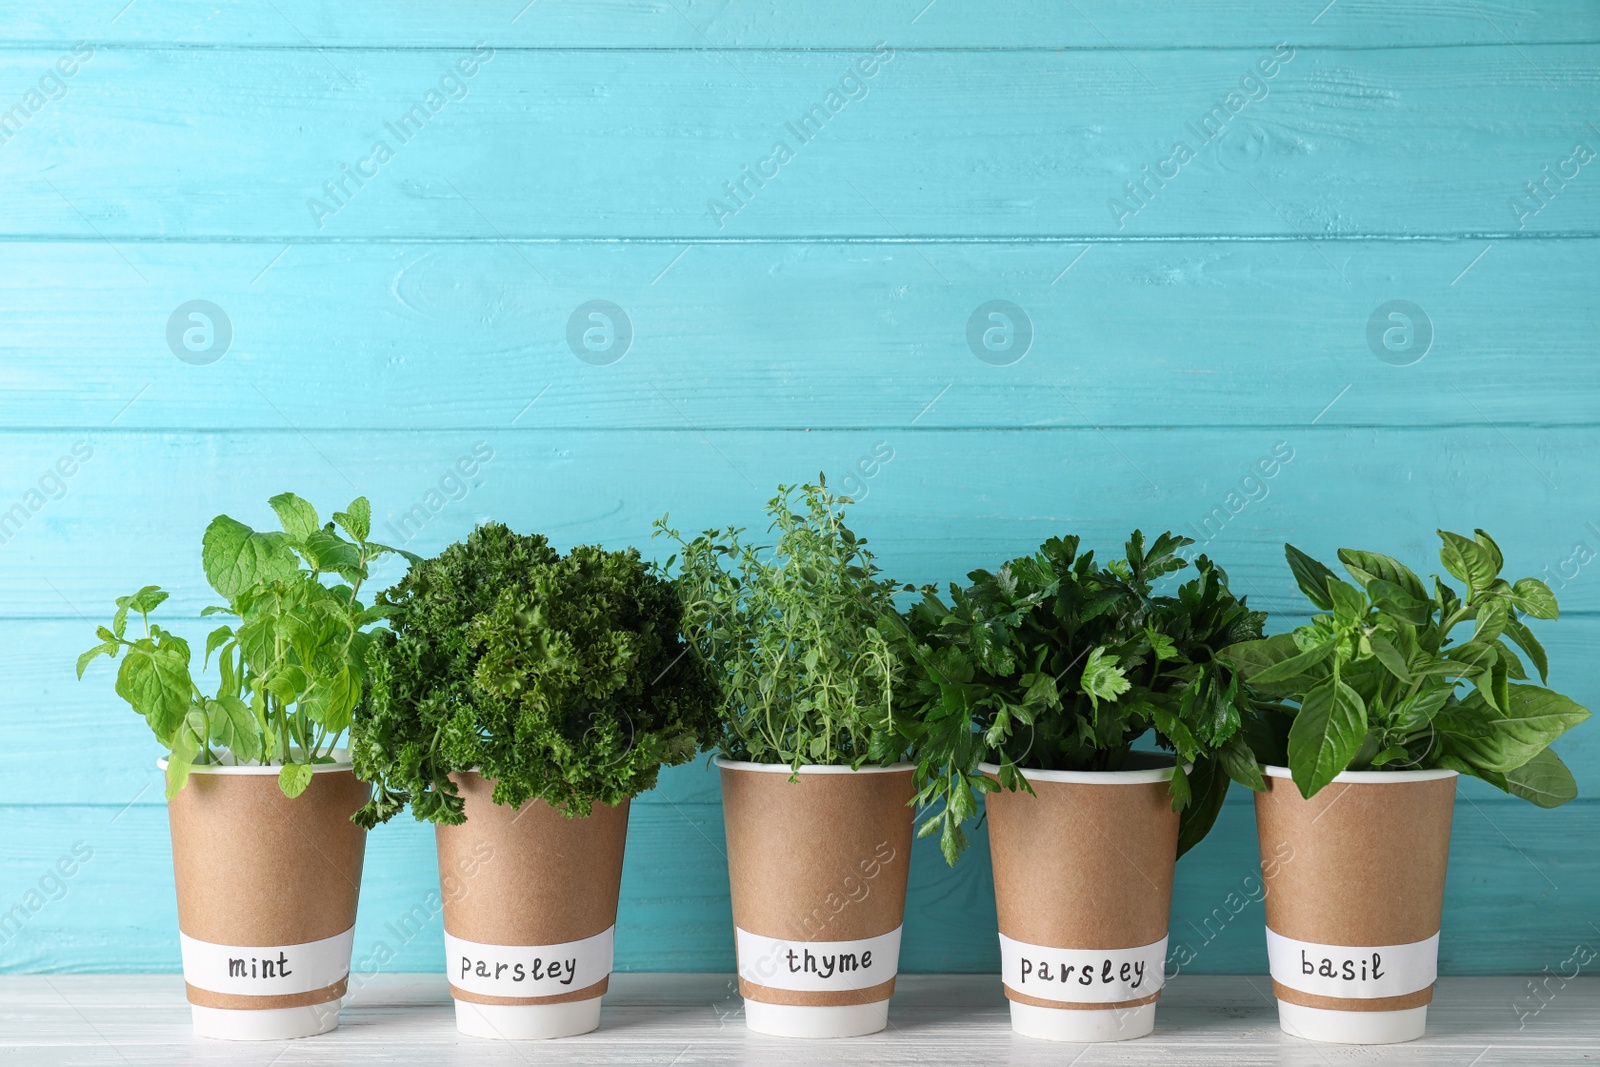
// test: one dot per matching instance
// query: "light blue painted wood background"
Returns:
(1174, 345)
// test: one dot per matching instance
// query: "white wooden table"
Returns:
(689, 1019)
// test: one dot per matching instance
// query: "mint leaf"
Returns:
(215, 640)
(239, 730)
(156, 682)
(356, 520)
(179, 760)
(330, 552)
(236, 558)
(293, 779)
(109, 648)
(298, 517)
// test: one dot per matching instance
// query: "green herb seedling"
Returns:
(292, 664)
(562, 678)
(792, 632)
(1378, 677)
(1057, 663)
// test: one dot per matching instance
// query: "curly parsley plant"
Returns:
(560, 677)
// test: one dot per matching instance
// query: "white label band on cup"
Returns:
(817, 966)
(1083, 976)
(266, 971)
(1355, 973)
(528, 970)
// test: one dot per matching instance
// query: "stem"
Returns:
(282, 719)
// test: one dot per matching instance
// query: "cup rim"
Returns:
(1370, 777)
(341, 762)
(810, 768)
(1133, 776)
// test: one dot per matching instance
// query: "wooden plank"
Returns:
(741, 24)
(691, 1018)
(936, 144)
(461, 336)
(946, 502)
(116, 913)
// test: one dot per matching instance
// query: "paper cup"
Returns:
(530, 910)
(1355, 888)
(817, 870)
(1083, 887)
(267, 891)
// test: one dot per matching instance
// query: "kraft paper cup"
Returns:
(530, 911)
(1083, 887)
(267, 892)
(1355, 899)
(817, 870)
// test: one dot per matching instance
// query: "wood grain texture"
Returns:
(936, 144)
(462, 335)
(693, 1019)
(946, 502)
(741, 24)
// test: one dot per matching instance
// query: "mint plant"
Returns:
(1382, 681)
(560, 677)
(1055, 662)
(292, 665)
(792, 632)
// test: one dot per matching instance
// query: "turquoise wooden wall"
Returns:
(1201, 214)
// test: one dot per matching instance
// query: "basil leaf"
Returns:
(1291, 668)
(1518, 632)
(1544, 780)
(1367, 567)
(1534, 718)
(1467, 561)
(1311, 576)
(1326, 734)
(1534, 597)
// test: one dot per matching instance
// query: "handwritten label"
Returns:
(265, 971)
(1082, 976)
(528, 970)
(1357, 973)
(817, 966)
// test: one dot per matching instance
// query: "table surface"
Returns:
(686, 1019)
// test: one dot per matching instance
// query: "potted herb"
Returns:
(1390, 705)
(1035, 682)
(520, 700)
(259, 791)
(815, 787)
